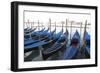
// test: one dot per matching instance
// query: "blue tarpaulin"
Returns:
(71, 50)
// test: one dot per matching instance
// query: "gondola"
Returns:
(28, 36)
(25, 29)
(37, 44)
(60, 44)
(43, 31)
(73, 48)
(47, 36)
(87, 42)
(32, 41)
(30, 57)
(29, 31)
(85, 48)
(54, 38)
(57, 35)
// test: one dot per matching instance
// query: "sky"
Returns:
(44, 18)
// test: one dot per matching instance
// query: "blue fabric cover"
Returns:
(70, 50)
(30, 41)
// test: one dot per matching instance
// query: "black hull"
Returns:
(50, 53)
